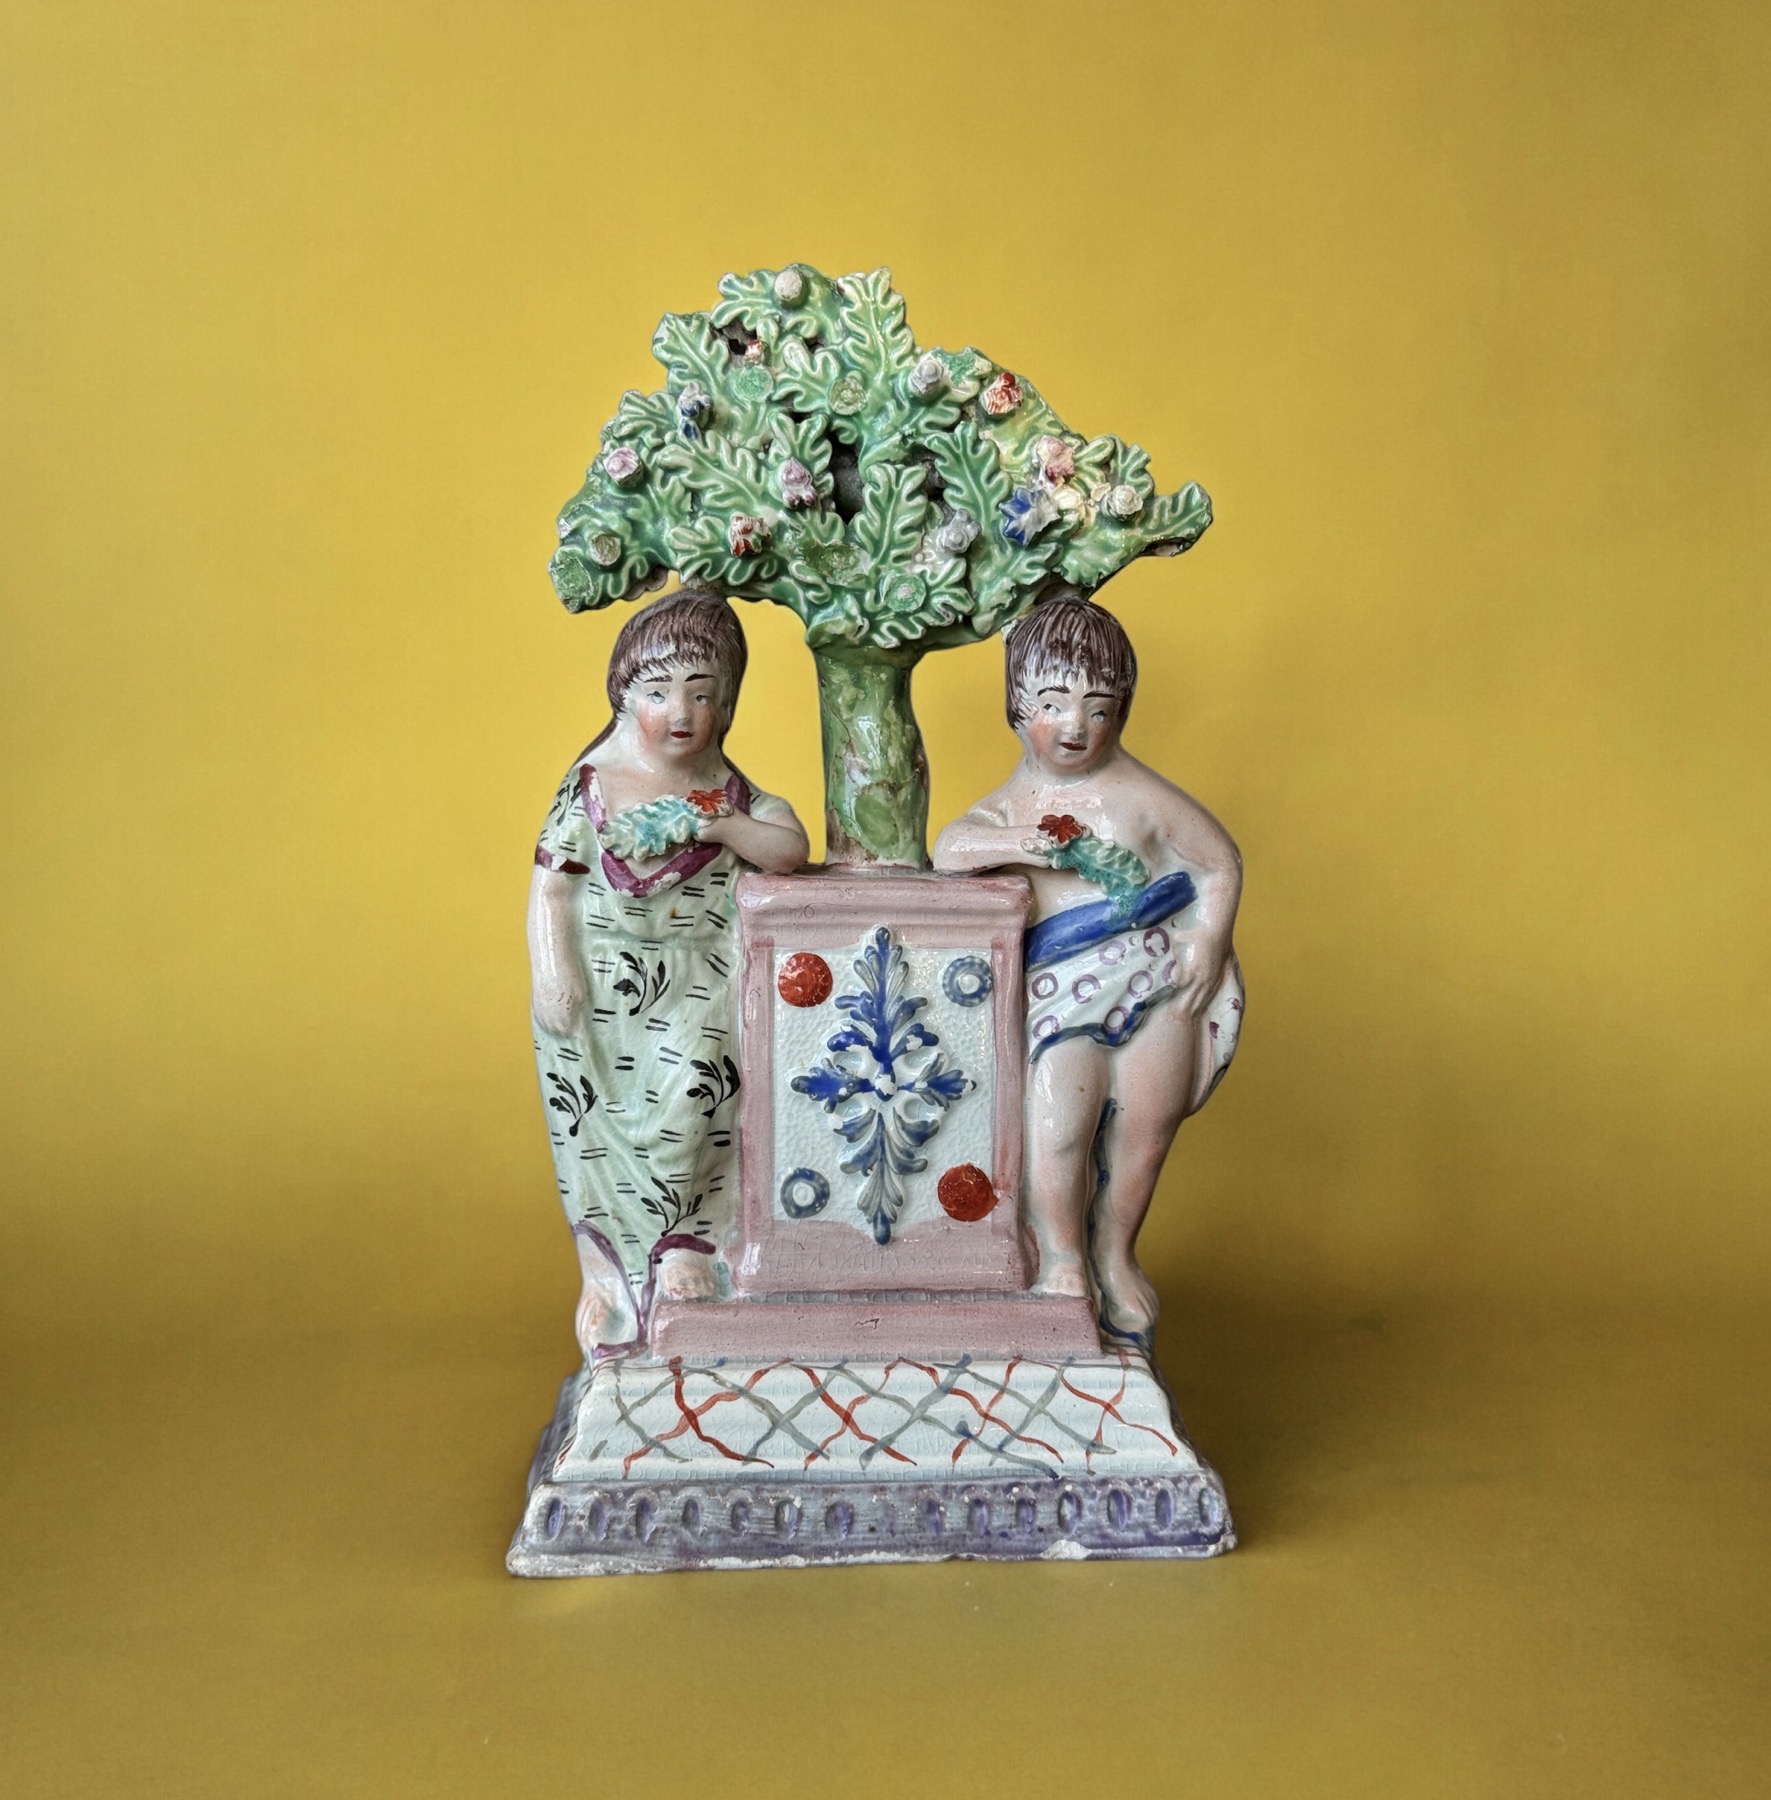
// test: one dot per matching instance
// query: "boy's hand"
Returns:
(1199, 969)
(1037, 846)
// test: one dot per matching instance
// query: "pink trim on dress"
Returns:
(687, 862)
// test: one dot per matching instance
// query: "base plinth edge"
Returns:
(671, 1503)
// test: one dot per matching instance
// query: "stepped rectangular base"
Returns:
(650, 1466)
(829, 1327)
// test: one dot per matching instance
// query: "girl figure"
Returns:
(633, 955)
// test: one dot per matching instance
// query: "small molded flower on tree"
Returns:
(693, 405)
(755, 351)
(571, 579)
(1026, 513)
(790, 287)
(928, 377)
(623, 466)
(605, 548)
(958, 535)
(796, 484)
(1123, 501)
(746, 535)
(1065, 828)
(902, 593)
(848, 394)
(1002, 394)
(1057, 461)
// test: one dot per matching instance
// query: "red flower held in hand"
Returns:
(1062, 827)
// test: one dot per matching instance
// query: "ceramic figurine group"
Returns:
(855, 1158)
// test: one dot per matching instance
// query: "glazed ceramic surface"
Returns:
(855, 1158)
(900, 1086)
(1134, 993)
(805, 449)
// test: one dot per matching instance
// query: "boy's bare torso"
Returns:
(1122, 800)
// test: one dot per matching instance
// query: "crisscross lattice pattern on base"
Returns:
(651, 1465)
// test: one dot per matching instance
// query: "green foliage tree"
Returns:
(805, 450)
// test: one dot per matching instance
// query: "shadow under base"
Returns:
(651, 1466)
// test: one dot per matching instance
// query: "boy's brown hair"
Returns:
(1064, 637)
(694, 627)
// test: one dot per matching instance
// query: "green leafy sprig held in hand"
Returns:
(1119, 872)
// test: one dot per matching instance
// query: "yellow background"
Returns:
(309, 316)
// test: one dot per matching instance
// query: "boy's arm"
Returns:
(1214, 862)
(984, 839)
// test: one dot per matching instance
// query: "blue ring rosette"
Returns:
(967, 981)
(804, 1194)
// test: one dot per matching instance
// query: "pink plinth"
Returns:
(935, 1327)
(833, 908)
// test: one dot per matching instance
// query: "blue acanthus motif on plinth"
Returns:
(885, 1083)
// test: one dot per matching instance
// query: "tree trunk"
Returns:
(876, 777)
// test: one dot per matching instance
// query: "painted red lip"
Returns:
(682, 734)
(1067, 745)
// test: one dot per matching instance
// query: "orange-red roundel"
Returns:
(965, 1193)
(805, 979)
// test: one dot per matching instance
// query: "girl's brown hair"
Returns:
(1064, 637)
(694, 627)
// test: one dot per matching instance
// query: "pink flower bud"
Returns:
(622, 465)
(1002, 395)
(796, 484)
(1057, 461)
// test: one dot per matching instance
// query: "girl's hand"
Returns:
(558, 1004)
(715, 808)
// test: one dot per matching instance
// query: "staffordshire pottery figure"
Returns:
(633, 948)
(855, 1156)
(1134, 996)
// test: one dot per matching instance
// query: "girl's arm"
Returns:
(557, 981)
(778, 844)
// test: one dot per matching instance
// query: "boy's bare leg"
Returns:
(1065, 1089)
(1152, 1083)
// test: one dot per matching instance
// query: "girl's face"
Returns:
(676, 711)
(1069, 725)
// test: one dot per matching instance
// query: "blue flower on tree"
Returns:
(885, 1083)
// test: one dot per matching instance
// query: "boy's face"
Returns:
(1070, 725)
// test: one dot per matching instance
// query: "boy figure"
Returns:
(1134, 997)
